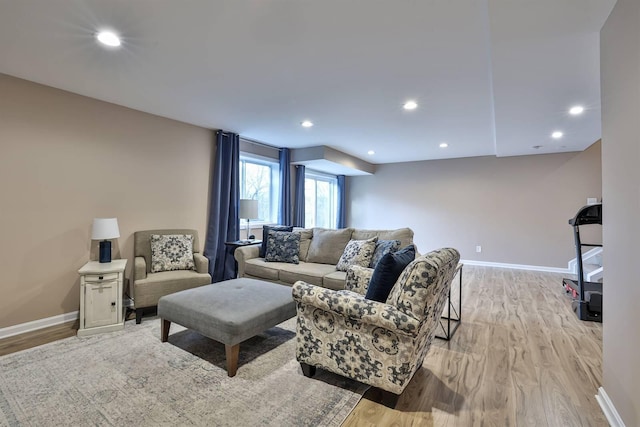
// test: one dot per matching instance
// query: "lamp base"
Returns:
(105, 251)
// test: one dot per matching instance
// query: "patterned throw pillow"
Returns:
(357, 252)
(171, 252)
(283, 246)
(265, 234)
(383, 247)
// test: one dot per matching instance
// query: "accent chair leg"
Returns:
(232, 352)
(308, 370)
(139, 313)
(164, 333)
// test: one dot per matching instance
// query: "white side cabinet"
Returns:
(101, 291)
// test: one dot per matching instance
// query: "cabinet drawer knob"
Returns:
(113, 304)
(100, 277)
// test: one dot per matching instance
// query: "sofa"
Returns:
(320, 252)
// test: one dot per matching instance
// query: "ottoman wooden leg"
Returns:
(164, 334)
(232, 358)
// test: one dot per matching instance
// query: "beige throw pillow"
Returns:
(328, 245)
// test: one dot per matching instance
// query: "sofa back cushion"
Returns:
(142, 242)
(405, 235)
(328, 245)
(306, 234)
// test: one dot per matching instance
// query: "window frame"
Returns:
(318, 176)
(274, 192)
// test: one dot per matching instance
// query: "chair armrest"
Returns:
(244, 253)
(354, 306)
(201, 262)
(139, 268)
(358, 279)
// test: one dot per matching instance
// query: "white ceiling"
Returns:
(492, 77)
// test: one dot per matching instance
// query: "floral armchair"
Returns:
(380, 344)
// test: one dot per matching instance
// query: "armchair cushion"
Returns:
(171, 252)
(357, 252)
(387, 272)
(283, 246)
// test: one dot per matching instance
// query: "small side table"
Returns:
(101, 286)
(456, 318)
(232, 268)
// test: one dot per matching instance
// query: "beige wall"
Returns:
(516, 208)
(620, 75)
(66, 159)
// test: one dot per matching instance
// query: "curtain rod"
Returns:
(262, 144)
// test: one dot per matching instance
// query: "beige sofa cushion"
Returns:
(327, 245)
(405, 235)
(335, 280)
(308, 272)
(258, 267)
(306, 234)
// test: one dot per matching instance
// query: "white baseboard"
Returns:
(10, 331)
(515, 266)
(608, 409)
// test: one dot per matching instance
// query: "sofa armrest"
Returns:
(201, 262)
(355, 307)
(139, 268)
(244, 253)
(358, 279)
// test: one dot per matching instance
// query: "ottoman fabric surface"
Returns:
(230, 311)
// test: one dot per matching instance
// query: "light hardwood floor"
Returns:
(520, 358)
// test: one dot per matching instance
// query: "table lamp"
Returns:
(248, 210)
(104, 229)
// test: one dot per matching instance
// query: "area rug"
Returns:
(131, 378)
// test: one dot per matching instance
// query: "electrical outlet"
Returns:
(478, 248)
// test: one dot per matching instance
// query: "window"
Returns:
(259, 180)
(320, 200)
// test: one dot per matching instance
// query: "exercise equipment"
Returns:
(587, 296)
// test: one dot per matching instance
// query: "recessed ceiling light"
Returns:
(306, 124)
(108, 38)
(557, 135)
(443, 145)
(410, 105)
(576, 110)
(371, 152)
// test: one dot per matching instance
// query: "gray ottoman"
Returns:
(228, 312)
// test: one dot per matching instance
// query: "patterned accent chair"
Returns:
(380, 344)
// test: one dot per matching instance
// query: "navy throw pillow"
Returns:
(265, 236)
(387, 272)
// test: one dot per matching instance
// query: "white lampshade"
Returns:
(105, 228)
(248, 209)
